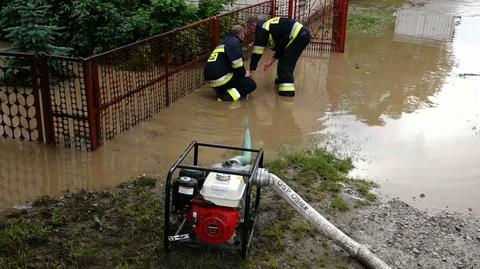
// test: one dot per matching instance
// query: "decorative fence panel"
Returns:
(20, 97)
(69, 111)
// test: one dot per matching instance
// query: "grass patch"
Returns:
(58, 219)
(339, 203)
(319, 177)
(378, 3)
(45, 200)
(330, 186)
(14, 213)
(311, 166)
(370, 21)
(121, 229)
(264, 261)
(363, 187)
(372, 16)
(301, 229)
(145, 181)
(276, 234)
(23, 233)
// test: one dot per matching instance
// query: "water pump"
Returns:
(215, 205)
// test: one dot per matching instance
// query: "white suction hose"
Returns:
(360, 252)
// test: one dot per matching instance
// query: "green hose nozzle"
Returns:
(246, 158)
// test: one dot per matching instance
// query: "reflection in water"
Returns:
(402, 106)
(433, 150)
(423, 25)
(380, 78)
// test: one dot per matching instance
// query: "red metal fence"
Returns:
(20, 108)
(135, 82)
(325, 19)
(85, 102)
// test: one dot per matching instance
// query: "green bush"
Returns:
(169, 14)
(94, 26)
(33, 34)
(9, 16)
(209, 8)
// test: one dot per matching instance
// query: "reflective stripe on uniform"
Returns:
(266, 25)
(219, 48)
(271, 42)
(294, 32)
(234, 94)
(237, 63)
(214, 54)
(258, 49)
(221, 81)
(286, 87)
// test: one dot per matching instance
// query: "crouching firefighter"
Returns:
(225, 71)
(288, 39)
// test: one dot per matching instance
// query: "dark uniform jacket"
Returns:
(225, 59)
(275, 33)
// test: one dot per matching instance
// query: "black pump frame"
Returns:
(247, 227)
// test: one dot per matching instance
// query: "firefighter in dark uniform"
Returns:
(288, 38)
(225, 71)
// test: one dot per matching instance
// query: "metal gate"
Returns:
(44, 99)
(325, 19)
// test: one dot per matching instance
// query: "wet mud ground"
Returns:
(122, 227)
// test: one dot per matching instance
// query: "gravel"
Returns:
(406, 237)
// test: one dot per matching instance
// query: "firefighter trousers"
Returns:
(236, 88)
(286, 64)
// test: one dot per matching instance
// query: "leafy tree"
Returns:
(209, 8)
(9, 16)
(33, 35)
(169, 14)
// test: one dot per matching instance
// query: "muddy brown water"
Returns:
(405, 108)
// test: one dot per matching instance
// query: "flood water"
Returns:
(405, 108)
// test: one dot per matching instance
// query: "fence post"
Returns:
(274, 8)
(44, 76)
(91, 76)
(291, 8)
(340, 24)
(167, 60)
(36, 91)
(215, 32)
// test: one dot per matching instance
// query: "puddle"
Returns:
(412, 114)
(406, 107)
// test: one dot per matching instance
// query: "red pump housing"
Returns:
(213, 224)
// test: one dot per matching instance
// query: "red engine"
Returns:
(213, 224)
